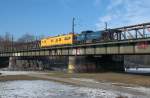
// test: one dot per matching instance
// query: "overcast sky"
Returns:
(52, 17)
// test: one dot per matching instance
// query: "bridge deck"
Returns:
(139, 46)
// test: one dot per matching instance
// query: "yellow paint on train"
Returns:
(57, 40)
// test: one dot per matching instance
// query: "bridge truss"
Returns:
(133, 32)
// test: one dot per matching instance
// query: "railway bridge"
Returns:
(130, 40)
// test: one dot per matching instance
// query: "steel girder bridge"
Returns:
(126, 40)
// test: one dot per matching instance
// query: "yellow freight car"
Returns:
(57, 40)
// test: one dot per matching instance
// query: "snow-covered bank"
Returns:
(89, 88)
(5, 73)
(47, 89)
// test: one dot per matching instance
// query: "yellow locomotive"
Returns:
(66, 39)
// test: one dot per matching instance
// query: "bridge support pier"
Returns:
(81, 64)
(26, 63)
(12, 62)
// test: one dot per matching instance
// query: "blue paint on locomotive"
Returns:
(89, 35)
(94, 35)
(80, 37)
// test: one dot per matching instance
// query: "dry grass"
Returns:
(128, 79)
(119, 78)
(17, 77)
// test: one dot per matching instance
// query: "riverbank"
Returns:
(124, 83)
(120, 78)
(115, 78)
(18, 75)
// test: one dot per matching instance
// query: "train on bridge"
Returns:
(84, 37)
(126, 33)
(130, 33)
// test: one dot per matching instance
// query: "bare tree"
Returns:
(7, 36)
(27, 38)
(7, 41)
(40, 37)
(1, 43)
(27, 41)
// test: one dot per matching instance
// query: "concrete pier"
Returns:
(25, 63)
(81, 64)
(38, 63)
(12, 62)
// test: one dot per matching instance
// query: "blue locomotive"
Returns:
(89, 36)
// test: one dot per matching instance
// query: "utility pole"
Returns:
(73, 24)
(12, 43)
(106, 26)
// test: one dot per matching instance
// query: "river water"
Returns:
(48, 89)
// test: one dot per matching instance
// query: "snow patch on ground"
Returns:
(5, 73)
(47, 89)
(100, 93)
(67, 91)
(141, 89)
(93, 93)
(86, 80)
